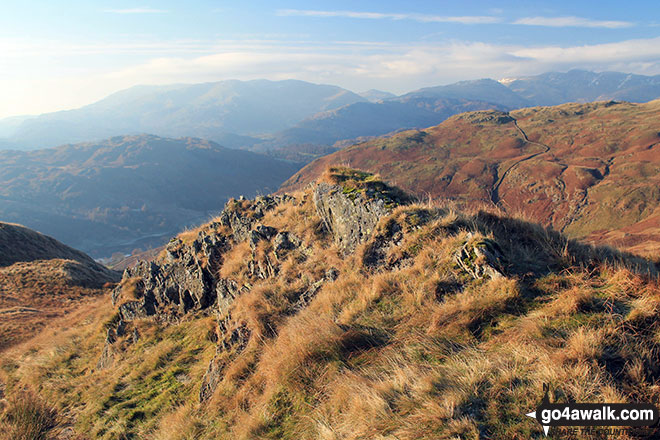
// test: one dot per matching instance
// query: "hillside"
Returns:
(128, 192)
(432, 105)
(217, 111)
(42, 279)
(589, 170)
(374, 119)
(282, 117)
(346, 311)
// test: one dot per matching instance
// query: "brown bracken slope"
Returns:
(41, 279)
(589, 170)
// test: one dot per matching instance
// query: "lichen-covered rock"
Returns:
(350, 217)
(481, 259)
(182, 282)
(284, 242)
(241, 223)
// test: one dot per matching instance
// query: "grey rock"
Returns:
(235, 342)
(284, 242)
(351, 220)
(241, 224)
(481, 259)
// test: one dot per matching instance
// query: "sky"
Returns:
(57, 55)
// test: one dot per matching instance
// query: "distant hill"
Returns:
(42, 279)
(582, 86)
(483, 90)
(432, 105)
(209, 110)
(589, 170)
(20, 244)
(263, 115)
(374, 95)
(373, 119)
(128, 192)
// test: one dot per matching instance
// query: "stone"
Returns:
(284, 242)
(481, 259)
(351, 220)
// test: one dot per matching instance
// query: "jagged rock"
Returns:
(481, 259)
(376, 251)
(226, 291)
(235, 341)
(350, 219)
(262, 268)
(284, 242)
(211, 378)
(183, 282)
(260, 233)
(240, 223)
(307, 296)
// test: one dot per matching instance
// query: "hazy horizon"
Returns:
(64, 56)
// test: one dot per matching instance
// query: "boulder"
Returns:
(350, 217)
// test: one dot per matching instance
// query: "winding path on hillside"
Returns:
(494, 194)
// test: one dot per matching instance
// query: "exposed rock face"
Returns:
(351, 218)
(241, 225)
(187, 277)
(481, 259)
(185, 283)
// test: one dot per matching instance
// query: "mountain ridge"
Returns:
(128, 192)
(234, 113)
(587, 169)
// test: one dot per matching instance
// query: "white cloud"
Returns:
(357, 65)
(424, 18)
(394, 67)
(572, 22)
(468, 19)
(137, 11)
(639, 50)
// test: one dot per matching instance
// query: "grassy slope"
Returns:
(42, 279)
(413, 349)
(598, 180)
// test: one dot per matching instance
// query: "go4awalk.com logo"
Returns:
(590, 415)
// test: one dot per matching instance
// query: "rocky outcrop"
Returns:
(240, 223)
(481, 258)
(350, 216)
(186, 277)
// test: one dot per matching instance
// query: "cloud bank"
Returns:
(357, 65)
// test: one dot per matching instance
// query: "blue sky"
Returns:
(64, 54)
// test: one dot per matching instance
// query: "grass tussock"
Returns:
(398, 342)
(27, 416)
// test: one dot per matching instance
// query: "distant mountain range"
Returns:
(278, 116)
(128, 192)
(216, 111)
(590, 170)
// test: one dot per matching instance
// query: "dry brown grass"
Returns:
(413, 350)
(27, 417)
